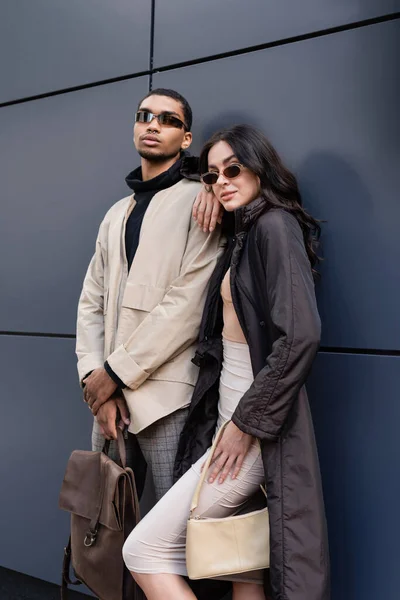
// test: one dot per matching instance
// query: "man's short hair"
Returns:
(187, 111)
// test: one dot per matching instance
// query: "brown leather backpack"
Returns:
(102, 499)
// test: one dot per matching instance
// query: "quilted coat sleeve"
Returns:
(290, 309)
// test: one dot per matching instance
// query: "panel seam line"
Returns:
(281, 42)
(196, 61)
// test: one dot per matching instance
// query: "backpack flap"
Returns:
(92, 483)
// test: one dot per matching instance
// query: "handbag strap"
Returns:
(92, 532)
(66, 580)
(206, 466)
(121, 447)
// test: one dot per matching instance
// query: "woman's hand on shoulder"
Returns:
(229, 453)
(207, 211)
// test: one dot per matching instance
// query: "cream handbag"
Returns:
(218, 547)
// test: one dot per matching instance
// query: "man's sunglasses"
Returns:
(164, 118)
(230, 172)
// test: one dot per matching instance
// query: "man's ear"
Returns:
(187, 140)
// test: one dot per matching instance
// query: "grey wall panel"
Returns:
(48, 45)
(43, 420)
(64, 160)
(356, 414)
(330, 105)
(188, 30)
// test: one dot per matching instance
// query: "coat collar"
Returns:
(245, 216)
(190, 167)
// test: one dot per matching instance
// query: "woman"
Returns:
(258, 338)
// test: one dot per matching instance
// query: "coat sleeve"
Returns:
(90, 321)
(293, 313)
(173, 325)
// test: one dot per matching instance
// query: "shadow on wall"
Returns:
(351, 245)
(352, 248)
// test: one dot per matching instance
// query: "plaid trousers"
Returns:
(158, 443)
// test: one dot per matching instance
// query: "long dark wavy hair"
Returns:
(278, 185)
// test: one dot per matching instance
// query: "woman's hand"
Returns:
(230, 452)
(207, 211)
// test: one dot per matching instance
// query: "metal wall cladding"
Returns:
(49, 45)
(44, 419)
(190, 30)
(330, 106)
(355, 406)
(64, 160)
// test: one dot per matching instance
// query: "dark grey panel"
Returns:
(330, 105)
(43, 420)
(64, 160)
(188, 30)
(48, 45)
(356, 413)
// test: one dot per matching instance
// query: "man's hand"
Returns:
(108, 414)
(207, 211)
(99, 387)
(229, 453)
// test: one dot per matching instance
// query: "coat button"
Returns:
(262, 323)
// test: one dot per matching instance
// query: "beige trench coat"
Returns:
(145, 323)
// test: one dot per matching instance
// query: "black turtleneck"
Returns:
(144, 192)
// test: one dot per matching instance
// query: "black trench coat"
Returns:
(273, 294)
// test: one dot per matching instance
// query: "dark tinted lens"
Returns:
(232, 171)
(143, 116)
(169, 120)
(209, 178)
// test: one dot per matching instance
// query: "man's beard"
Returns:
(157, 157)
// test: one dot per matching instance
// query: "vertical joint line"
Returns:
(151, 63)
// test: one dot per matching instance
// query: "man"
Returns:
(144, 291)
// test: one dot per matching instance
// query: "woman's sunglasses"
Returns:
(164, 118)
(230, 172)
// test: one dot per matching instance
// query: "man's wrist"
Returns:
(114, 376)
(86, 376)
